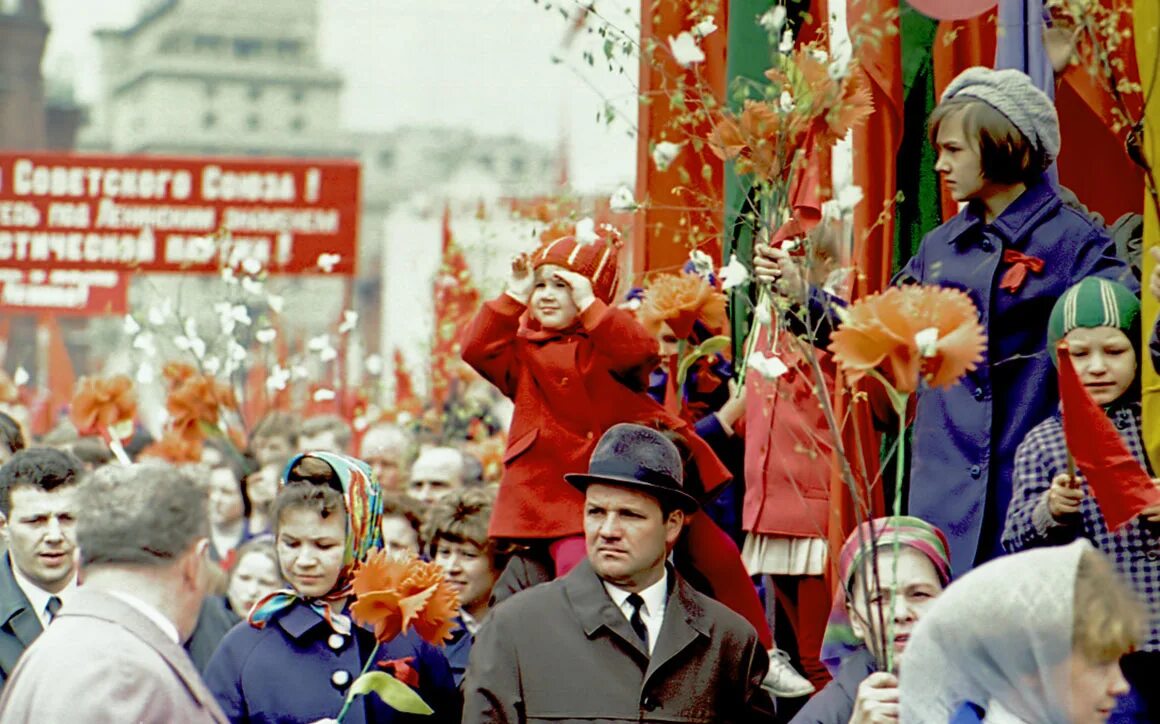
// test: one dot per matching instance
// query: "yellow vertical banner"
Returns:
(1146, 16)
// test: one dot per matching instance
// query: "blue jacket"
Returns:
(835, 703)
(284, 673)
(457, 649)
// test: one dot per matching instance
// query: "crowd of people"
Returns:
(654, 545)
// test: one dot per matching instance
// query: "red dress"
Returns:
(568, 386)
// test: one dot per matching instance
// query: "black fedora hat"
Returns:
(637, 457)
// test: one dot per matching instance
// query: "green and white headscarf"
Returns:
(1094, 302)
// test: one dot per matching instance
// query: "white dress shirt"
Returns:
(159, 619)
(38, 597)
(652, 612)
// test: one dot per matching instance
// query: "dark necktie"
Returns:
(635, 620)
(53, 607)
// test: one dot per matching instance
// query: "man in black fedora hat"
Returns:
(622, 637)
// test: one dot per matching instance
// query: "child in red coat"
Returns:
(574, 368)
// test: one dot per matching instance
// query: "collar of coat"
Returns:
(15, 611)
(684, 616)
(1016, 222)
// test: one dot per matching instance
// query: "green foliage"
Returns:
(393, 692)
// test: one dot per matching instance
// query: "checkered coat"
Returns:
(1135, 550)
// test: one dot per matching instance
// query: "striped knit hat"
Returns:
(1094, 302)
(1012, 93)
(839, 640)
(596, 259)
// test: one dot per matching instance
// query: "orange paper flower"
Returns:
(173, 448)
(177, 372)
(196, 402)
(680, 300)
(100, 404)
(393, 595)
(908, 332)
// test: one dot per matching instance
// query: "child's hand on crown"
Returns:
(581, 286)
(522, 280)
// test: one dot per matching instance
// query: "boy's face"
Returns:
(551, 302)
(1105, 361)
(959, 162)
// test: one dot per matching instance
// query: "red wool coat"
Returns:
(788, 451)
(568, 386)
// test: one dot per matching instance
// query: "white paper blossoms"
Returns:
(770, 367)
(277, 379)
(849, 197)
(773, 19)
(622, 201)
(785, 102)
(685, 49)
(131, 325)
(323, 395)
(702, 263)
(327, 262)
(321, 345)
(733, 274)
(705, 28)
(927, 341)
(349, 321)
(265, 336)
(664, 153)
(586, 231)
(20, 377)
(786, 45)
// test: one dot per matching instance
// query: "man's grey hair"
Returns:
(144, 514)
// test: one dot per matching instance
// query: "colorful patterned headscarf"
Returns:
(363, 498)
(839, 640)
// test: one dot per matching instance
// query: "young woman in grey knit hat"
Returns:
(1015, 248)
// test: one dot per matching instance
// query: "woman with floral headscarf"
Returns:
(890, 569)
(1032, 638)
(300, 651)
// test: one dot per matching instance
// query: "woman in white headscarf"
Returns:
(1032, 638)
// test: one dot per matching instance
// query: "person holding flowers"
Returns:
(301, 652)
(1014, 249)
(1099, 320)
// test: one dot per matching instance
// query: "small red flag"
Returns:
(1120, 485)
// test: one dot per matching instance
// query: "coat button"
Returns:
(650, 703)
(340, 679)
(979, 393)
(976, 471)
(988, 246)
(335, 641)
(591, 436)
(1152, 555)
(563, 380)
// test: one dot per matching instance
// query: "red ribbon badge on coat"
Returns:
(1020, 263)
(402, 670)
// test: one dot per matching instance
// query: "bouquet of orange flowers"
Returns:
(394, 595)
(106, 407)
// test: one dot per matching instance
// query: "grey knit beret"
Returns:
(1013, 94)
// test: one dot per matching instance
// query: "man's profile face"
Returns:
(41, 533)
(627, 536)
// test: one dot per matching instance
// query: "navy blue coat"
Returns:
(282, 674)
(835, 703)
(965, 437)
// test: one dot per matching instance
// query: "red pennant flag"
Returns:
(1120, 485)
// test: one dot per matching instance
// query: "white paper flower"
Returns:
(838, 70)
(211, 365)
(702, 263)
(20, 377)
(360, 423)
(157, 315)
(145, 375)
(251, 266)
(849, 197)
(819, 55)
(251, 286)
(276, 302)
(321, 345)
(195, 345)
(768, 367)
(927, 341)
(349, 320)
(733, 274)
(228, 275)
(664, 153)
(278, 379)
(323, 395)
(237, 352)
(622, 201)
(785, 102)
(327, 262)
(265, 336)
(685, 49)
(231, 315)
(131, 326)
(763, 314)
(773, 19)
(586, 231)
(374, 364)
(705, 28)
(299, 372)
(786, 45)
(145, 343)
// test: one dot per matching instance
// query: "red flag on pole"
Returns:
(1120, 485)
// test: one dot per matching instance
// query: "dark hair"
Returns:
(92, 451)
(1005, 154)
(11, 434)
(404, 506)
(310, 469)
(322, 499)
(45, 468)
(462, 516)
(143, 514)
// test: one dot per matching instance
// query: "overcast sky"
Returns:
(480, 64)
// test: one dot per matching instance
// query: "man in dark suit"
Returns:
(114, 651)
(622, 637)
(38, 524)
